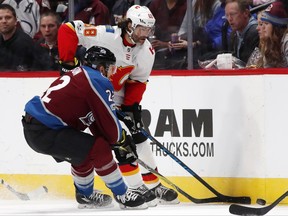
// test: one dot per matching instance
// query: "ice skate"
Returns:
(150, 198)
(95, 200)
(165, 195)
(131, 200)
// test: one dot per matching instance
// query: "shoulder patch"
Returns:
(109, 28)
(90, 32)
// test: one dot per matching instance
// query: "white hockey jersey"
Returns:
(135, 63)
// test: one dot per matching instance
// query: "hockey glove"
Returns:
(126, 119)
(125, 150)
(134, 112)
(64, 68)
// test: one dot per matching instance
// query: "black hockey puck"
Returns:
(260, 201)
(45, 188)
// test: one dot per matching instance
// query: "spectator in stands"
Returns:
(275, 30)
(46, 48)
(258, 2)
(92, 12)
(254, 60)
(109, 3)
(16, 47)
(169, 15)
(244, 36)
(119, 9)
(218, 33)
(54, 4)
(203, 12)
(145, 2)
(215, 28)
(28, 14)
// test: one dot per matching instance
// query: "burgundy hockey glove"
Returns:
(125, 150)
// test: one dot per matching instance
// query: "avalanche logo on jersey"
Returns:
(88, 119)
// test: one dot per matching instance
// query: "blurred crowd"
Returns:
(254, 32)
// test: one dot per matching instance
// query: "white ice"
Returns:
(69, 207)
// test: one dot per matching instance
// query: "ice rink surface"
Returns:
(69, 207)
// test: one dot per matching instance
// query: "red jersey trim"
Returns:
(133, 92)
(128, 170)
(215, 72)
(239, 72)
(67, 42)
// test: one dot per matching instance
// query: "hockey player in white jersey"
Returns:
(134, 61)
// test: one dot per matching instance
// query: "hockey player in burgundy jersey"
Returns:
(135, 58)
(54, 125)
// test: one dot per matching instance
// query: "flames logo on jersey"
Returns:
(120, 76)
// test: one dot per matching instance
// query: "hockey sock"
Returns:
(145, 154)
(115, 182)
(83, 181)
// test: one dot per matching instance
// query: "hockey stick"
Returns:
(222, 198)
(245, 210)
(25, 196)
(195, 200)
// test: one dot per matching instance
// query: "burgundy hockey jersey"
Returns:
(79, 99)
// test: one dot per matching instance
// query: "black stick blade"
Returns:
(246, 210)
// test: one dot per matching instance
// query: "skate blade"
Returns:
(140, 207)
(172, 202)
(90, 206)
(152, 203)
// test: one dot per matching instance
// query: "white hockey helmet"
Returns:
(140, 15)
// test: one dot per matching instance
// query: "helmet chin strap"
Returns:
(130, 35)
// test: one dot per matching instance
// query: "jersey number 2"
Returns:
(66, 80)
